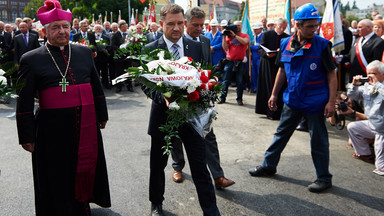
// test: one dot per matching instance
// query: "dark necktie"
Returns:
(362, 40)
(124, 35)
(194, 38)
(25, 40)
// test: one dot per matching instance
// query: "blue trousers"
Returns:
(228, 74)
(289, 120)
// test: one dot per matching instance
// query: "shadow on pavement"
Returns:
(275, 204)
(364, 199)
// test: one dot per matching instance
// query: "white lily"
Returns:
(174, 106)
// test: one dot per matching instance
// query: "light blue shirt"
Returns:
(373, 96)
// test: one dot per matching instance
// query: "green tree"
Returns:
(342, 8)
(347, 7)
(354, 6)
(350, 18)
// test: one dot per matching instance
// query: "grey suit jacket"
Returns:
(150, 36)
(206, 47)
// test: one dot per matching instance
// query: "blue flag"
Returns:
(288, 17)
(247, 25)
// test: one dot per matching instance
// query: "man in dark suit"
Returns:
(3, 47)
(117, 39)
(154, 34)
(7, 36)
(84, 34)
(195, 21)
(369, 47)
(172, 22)
(6, 44)
(348, 37)
(75, 26)
(101, 61)
(24, 42)
(29, 22)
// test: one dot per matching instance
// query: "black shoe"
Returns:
(301, 127)
(319, 186)
(156, 210)
(261, 171)
(118, 89)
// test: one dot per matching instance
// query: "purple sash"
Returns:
(78, 95)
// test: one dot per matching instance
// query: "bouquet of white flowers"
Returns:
(191, 90)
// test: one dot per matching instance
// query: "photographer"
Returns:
(372, 92)
(347, 106)
(235, 43)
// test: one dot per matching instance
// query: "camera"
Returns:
(363, 80)
(228, 29)
(342, 106)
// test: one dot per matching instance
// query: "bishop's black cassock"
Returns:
(56, 132)
(267, 75)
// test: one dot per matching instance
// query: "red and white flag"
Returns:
(331, 27)
(213, 15)
(133, 22)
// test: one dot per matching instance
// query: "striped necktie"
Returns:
(175, 51)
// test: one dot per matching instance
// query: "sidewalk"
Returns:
(242, 136)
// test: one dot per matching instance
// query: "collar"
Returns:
(215, 33)
(278, 33)
(27, 34)
(294, 45)
(367, 37)
(121, 32)
(55, 48)
(190, 37)
(170, 43)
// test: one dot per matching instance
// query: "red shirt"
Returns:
(236, 51)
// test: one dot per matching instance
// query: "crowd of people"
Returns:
(294, 77)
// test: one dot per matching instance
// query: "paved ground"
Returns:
(243, 136)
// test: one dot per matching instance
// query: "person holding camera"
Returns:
(372, 92)
(235, 43)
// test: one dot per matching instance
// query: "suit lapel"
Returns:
(187, 51)
(161, 44)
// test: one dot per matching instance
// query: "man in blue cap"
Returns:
(305, 61)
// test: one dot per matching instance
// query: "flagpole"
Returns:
(249, 53)
(129, 12)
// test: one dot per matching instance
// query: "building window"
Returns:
(14, 15)
(4, 15)
(13, 3)
(22, 4)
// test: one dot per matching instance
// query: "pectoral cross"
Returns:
(63, 84)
